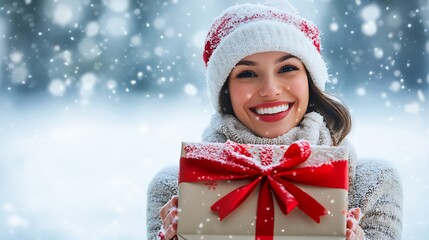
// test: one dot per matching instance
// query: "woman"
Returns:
(266, 79)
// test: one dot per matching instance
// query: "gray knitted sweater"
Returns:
(374, 186)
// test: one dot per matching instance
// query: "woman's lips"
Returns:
(272, 112)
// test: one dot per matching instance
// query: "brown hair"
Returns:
(225, 101)
(335, 113)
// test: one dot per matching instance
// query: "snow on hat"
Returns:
(246, 29)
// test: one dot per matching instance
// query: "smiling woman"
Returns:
(266, 80)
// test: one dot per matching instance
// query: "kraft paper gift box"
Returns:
(237, 191)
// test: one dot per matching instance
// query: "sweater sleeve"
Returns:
(379, 194)
(160, 190)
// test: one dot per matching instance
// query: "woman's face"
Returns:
(269, 92)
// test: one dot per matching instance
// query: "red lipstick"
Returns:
(268, 113)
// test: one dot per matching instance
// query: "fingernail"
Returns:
(349, 223)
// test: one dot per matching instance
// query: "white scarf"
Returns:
(312, 128)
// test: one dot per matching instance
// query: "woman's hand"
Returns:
(354, 231)
(168, 214)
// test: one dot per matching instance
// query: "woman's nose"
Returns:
(270, 87)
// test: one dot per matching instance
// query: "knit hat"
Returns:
(246, 29)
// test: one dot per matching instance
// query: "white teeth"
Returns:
(272, 110)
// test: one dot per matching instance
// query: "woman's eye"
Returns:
(287, 69)
(246, 74)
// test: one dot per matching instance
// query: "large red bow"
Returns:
(237, 163)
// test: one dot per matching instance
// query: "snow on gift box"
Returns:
(227, 191)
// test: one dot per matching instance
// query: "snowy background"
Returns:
(96, 96)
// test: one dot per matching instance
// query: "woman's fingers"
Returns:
(354, 231)
(172, 203)
(356, 213)
(171, 231)
(168, 214)
(170, 219)
(350, 235)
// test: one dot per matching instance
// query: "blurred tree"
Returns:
(71, 48)
(125, 47)
(24, 56)
(374, 43)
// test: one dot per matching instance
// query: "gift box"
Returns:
(238, 191)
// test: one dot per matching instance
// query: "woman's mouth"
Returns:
(271, 112)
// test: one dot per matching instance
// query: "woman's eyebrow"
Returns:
(246, 63)
(252, 63)
(284, 58)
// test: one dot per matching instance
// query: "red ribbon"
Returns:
(235, 162)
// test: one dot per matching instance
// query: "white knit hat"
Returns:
(246, 29)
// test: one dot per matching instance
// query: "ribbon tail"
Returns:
(232, 200)
(285, 200)
(306, 203)
(265, 213)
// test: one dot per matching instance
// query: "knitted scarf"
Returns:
(223, 127)
(312, 128)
